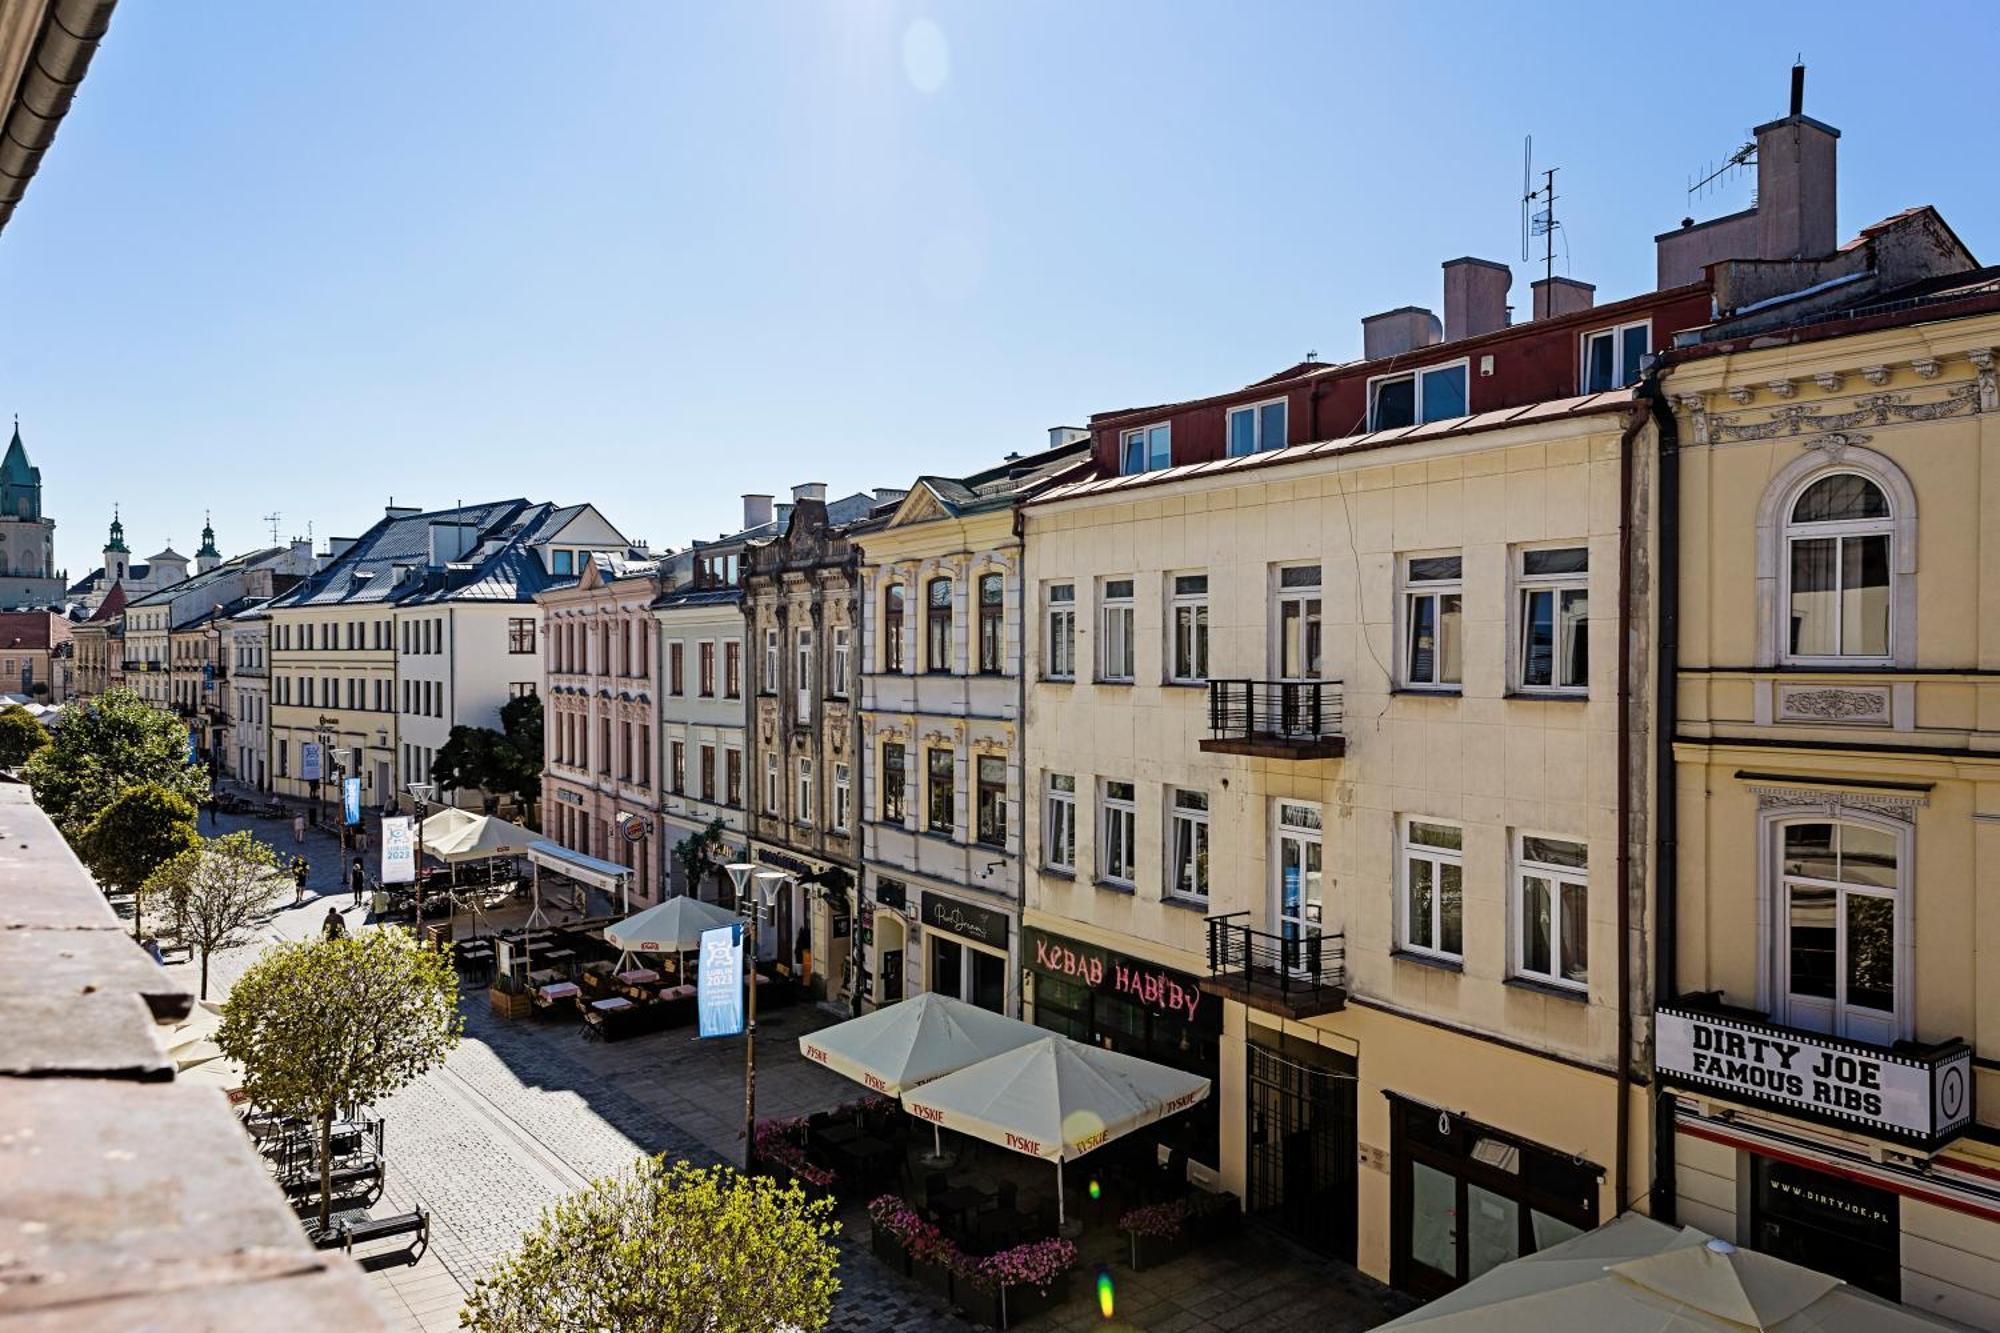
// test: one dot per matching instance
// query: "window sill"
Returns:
(1184, 684)
(1550, 696)
(1115, 886)
(1055, 680)
(1199, 906)
(1437, 961)
(1059, 872)
(1554, 990)
(1113, 680)
(1430, 691)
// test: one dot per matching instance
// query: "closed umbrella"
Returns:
(1055, 1099)
(1636, 1275)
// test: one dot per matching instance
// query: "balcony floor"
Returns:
(1262, 990)
(1277, 747)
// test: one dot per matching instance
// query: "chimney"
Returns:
(1062, 435)
(886, 494)
(1475, 297)
(784, 514)
(450, 541)
(399, 511)
(1797, 216)
(809, 490)
(336, 547)
(1555, 297)
(756, 510)
(1394, 332)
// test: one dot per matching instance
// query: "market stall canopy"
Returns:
(1646, 1277)
(673, 926)
(478, 838)
(442, 827)
(1055, 1098)
(894, 1049)
(606, 875)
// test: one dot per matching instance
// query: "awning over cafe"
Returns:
(1055, 1098)
(897, 1048)
(606, 875)
(1635, 1275)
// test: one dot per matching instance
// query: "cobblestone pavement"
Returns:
(524, 1113)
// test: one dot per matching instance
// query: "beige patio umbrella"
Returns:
(1055, 1099)
(1635, 1275)
(192, 1040)
(674, 926)
(904, 1045)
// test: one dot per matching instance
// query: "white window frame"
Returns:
(1124, 610)
(1059, 613)
(770, 681)
(771, 781)
(1187, 811)
(1623, 376)
(1408, 851)
(1117, 828)
(803, 812)
(1059, 822)
(1192, 606)
(842, 644)
(1416, 376)
(1529, 586)
(1258, 444)
(1774, 963)
(1557, 876)
(803, 647)
(843, 794)
(1837, 531)
(1144, 436)
(1413, 592)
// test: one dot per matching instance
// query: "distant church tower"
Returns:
(117, 555)
(207, 557)
(27, 540)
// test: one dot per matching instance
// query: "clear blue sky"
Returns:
(304, 258)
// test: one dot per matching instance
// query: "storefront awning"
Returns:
(606, 875)
(1635, 1275)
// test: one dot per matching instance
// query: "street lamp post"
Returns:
(421, 794)
(741, 874)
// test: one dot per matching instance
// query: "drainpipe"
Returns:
(1627, 534)
(1666, 802)
(1021, 730)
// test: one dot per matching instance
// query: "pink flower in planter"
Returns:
(1037, 1264)
(1162, 1221)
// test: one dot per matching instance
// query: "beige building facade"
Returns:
(1324, 803)
(1829, 1037)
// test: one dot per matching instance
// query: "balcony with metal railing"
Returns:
(1276, 719)
(1299, 973)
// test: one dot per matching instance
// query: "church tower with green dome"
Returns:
(28, 578)
(207, 557)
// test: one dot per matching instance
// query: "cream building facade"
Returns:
(1315, 814)
(1829, 1031)
(246, 647)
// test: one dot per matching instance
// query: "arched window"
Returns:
(1840, 929)
(937, 625)
(892, 628)
(1838, 537)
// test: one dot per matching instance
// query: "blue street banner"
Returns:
(719, 985)
(399, 850)
(312, 761)
(350, 800)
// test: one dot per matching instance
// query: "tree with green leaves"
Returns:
(505, 762)
(215, 891)
(137, 832)
(323, 1024)
(20, 736)
(113, 742)
(700, 855)
(667, 1247)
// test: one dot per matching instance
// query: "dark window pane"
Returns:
(1575, 933)
(1451, 934)
(1635, 348)
(1444, 394)
(1809, 850)
(1864, 596)
(1395, 403)
(1597, 370)
(1242, 431)
(1839, 498)
(1813, 935)
(1537, 924)
(1434, 568)
(1563, 560)
(1271, 426)
(1814, 606)
(1538, 638)
(1871, 952)
(1555, 852)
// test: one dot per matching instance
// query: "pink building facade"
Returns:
(601, 769)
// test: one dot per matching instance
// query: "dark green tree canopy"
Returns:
(20, 736)
(105, 746)
(139, 830)
(506, 761)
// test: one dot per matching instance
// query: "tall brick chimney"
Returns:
(1475, 297)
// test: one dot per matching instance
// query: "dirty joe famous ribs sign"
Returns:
(1923, 1097)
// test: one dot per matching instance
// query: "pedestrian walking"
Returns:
(354, 878)
(334, 928)
(301, 869)
(151, 945)
(298, 828)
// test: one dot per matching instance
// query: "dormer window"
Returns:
(1612, 357)
(1147, 449)
(561, 562)
(1436, 393)
(1256, 428)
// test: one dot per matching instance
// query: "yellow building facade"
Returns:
(1828, 1035)
(1308, 812)
(333, 683)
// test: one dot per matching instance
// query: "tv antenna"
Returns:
(1720, 177)
(1538, 209)
(272, 519)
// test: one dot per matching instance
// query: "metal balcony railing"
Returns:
(1276, 718)
(1300, 971)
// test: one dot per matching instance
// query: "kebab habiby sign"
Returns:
(1826, 1078)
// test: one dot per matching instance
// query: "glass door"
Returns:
(1295, 710)
(1838, 897)
(1299, 903)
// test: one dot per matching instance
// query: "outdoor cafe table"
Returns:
(561, 990)
(638, 976)
(615, 1002)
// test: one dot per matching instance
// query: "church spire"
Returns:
(117, 542)
(208, 537)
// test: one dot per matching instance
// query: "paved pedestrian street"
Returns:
(524, 1113)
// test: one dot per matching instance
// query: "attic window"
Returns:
(1612, 358)
(1147, 449)
(1256, 428)
(1415, 397)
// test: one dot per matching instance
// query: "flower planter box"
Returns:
(1004, 1307)
(933, 1277)
(509, 1005)
(889, 1248)
(1152, 1251)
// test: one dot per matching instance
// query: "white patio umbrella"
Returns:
(674, 926)
(904, 1045)
(1055, 1099)
(1635, 1275)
